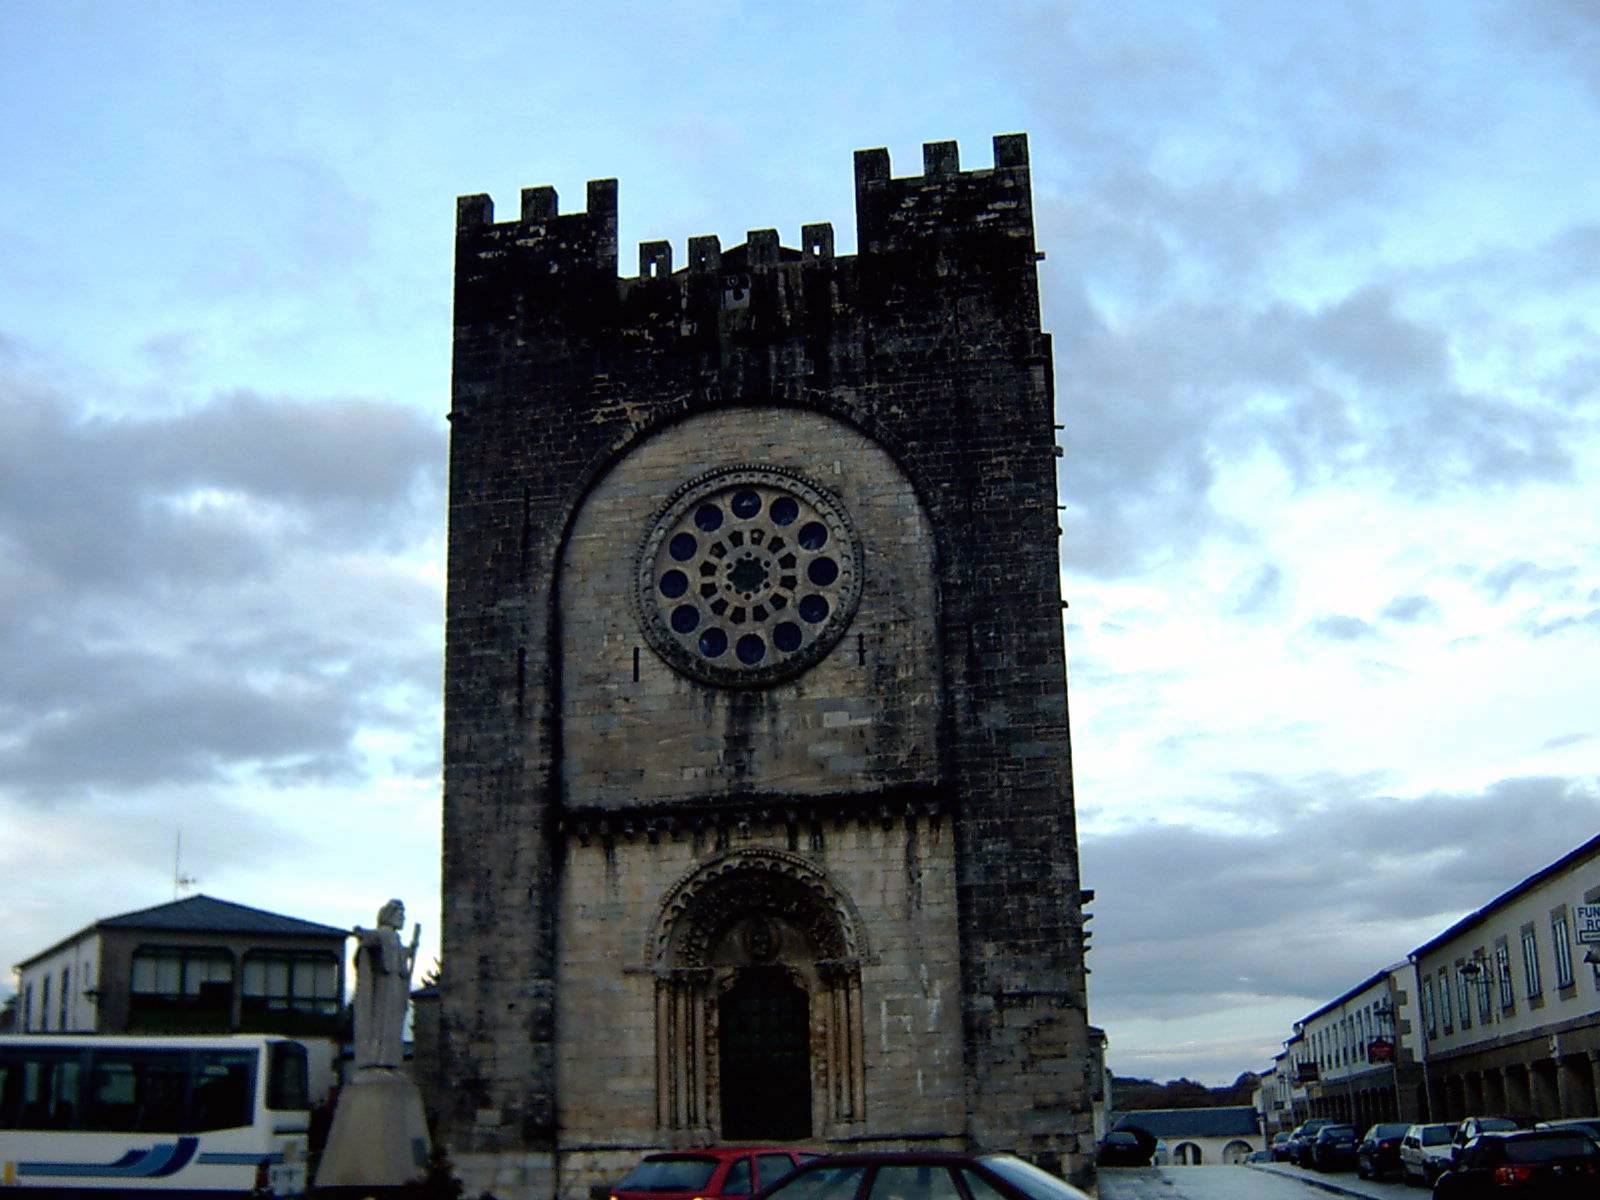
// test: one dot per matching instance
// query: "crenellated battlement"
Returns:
(944, 208)
(944, 204)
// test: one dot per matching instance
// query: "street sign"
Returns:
(1306, 1072)
(1588, 924)
(1380, 1050)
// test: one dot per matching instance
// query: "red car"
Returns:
(709, 1174)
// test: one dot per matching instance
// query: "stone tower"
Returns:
(758, 817)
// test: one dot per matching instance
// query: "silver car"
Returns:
(1425, 1152)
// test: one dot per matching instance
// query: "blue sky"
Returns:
(1323, 285)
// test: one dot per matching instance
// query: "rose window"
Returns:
(748, 576)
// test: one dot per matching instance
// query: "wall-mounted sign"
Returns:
(1306, 1072)
(1588, 924)
(1380, 1050)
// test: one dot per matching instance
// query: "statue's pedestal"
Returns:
(379, 1137)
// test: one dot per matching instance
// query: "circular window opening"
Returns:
(756, 560)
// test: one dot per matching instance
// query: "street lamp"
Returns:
(1383, 1011)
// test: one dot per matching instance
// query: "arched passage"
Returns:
(757, 958)
(1188, 1155)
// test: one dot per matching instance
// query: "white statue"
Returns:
(383, 987)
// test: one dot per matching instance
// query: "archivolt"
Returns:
(702, 905)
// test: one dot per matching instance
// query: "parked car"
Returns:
(1379, 1152)
(1258, 1156)
(1471, 1127)
(1550, 1164)
(1301, 1136)
(711, 1173)
(1280, 1147)
(1334, 1148)
(1425, 1152)
(1589, 1125)
(921, 1175)
(1125, 1148)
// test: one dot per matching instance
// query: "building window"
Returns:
(44, 1005)
(64, 1022)
(1483, 990)
(1427, 1007)
(1446, 1018)
(1559, 936)
(27, 1008)
(1502, 965)
(1530, 962)
(1466, 998)
(181, 988)
(290, 991)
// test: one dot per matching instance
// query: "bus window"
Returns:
(287, 1087)
(224, 1090)
(38, 1090)
(137, 1091)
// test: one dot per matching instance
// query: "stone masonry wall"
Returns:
(902, 881)
(927, 343)
(863, 719)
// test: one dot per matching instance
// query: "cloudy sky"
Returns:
(1324, 283)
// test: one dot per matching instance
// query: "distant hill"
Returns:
(1128, 1093)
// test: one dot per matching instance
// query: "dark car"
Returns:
(1539, 1164)
(1334, 1148)
(1124, 1148)
(1280, 1147)
(709, 1174)
(1471, 1127)
(1379, 1152)
(1301, 1137)
(1589, 1125)
(921, 1175)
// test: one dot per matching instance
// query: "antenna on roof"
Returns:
(180, 881)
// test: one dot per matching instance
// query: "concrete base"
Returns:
(379, 1137)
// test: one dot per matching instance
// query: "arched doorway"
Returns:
(763, 1022)
(1188, 1155)
(757, 958)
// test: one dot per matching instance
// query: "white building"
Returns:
(1509, 1008)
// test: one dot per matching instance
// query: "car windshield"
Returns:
(1435, 1135)
(1493, 1123)
(1387, 1131)
(1041, 1185)
(1121, 1137)
(680, 1174)
(821, 1183)
(1545, 1149)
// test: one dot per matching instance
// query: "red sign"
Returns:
(1380, 1050)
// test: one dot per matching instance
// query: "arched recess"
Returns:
(745, 913)
(1236, 1152)
(1188, 1154)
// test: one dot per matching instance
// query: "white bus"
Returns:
(190, 1116)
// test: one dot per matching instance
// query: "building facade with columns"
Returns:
(1500, 1013)
(1510, 1010)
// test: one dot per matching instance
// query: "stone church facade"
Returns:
(758, 819)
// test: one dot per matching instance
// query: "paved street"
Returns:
(1275, 1182)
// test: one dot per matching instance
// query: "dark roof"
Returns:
(1589, 848)
(1350, 994)
(1190, 1122)
(204, 914)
